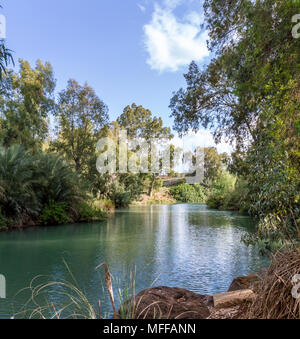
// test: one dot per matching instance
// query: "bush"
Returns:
(221, 191)
(29, 184)
(237, 200)
(188, 193)
(54, 214)
(89, 213)
(17, 197)
(3, 223)
(121, 198)
(105, 205)
(56, 180)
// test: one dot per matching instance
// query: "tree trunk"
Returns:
(152, 186)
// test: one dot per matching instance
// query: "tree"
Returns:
(214, 164)
(255, 52)
(5, 57)
(140, 123)
(26, 101)
(81, 115)
(249, 93)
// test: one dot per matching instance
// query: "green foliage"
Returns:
(56, 180)
(89, 212)
(54, 213)
(221, 190)
(81, 115)
(5, 58)
(105, 205)
(18, 200)
(29, 185)
(120, 196)
(271, 235)
(3, 222)
(249, 93)
(139, 122)
(237, 199)
(26, 100)
(133, 183)
(213, 164)
(186, 193)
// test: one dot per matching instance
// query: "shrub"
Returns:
(221, 190)
(120, 196)
(89, 212)
(3, 223)
(188, 193)
(56, 180)
(237, 200)
(54, 214)
(105, 205)
(17, 197)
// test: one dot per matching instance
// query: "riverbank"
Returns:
(92, 211)
(161, 197)
(177, 303)
(272, 293)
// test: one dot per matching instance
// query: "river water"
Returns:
(187, 246)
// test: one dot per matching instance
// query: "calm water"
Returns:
(185, 246)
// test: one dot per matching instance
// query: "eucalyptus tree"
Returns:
(26, 103)
(80, 116)
(141, 124)
(249, 93)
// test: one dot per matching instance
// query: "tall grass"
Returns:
(52, 298)
(71, 300)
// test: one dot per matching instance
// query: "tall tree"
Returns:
(256, 57)
(249, 92)
(26, 102)
(80, 117)
(140, 123)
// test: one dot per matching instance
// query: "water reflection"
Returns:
(186, 246)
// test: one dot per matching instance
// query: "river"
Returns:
(187, 246)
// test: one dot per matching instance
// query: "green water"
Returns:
(186, 246)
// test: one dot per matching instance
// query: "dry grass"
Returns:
(74, 302)
(274, 295)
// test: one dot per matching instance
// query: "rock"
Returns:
(244, 283)
(230, 299)
(167, 303)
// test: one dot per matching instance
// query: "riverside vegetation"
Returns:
(247, 93)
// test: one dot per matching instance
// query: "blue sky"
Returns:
(127, 50)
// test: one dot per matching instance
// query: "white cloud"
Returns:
(172, 42)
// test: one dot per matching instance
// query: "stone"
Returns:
(230, 299)
(244, 283)
(167, 303)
